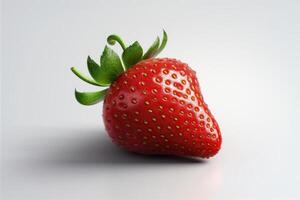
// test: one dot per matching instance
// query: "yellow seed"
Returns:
(158, 80)
(153, 71)
(154, 91)
(142, 83)
(167, 90)
(132, 89)
(121, 97)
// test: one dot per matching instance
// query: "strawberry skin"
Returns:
(156, 107)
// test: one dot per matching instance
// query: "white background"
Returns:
(246, 54)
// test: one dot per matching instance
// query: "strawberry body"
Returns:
(156, 107)
(151, 105)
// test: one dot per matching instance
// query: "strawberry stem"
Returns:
(112, 39)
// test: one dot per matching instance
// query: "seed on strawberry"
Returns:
(151, 105)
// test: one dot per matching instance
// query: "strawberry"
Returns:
(152, 105)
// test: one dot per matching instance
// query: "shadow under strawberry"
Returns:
(91, 148)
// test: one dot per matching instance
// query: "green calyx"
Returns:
(111, 66)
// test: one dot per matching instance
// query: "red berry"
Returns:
(156, 107)
(152, 105)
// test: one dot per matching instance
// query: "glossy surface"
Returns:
(156, 107)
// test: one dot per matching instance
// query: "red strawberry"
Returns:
(155, 106)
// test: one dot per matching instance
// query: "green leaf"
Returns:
(95, 71)
(163, 44)
(85, 78)
(152, 49)
(132, 55)
(155, 48)
(90, 98)
(111, 67)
